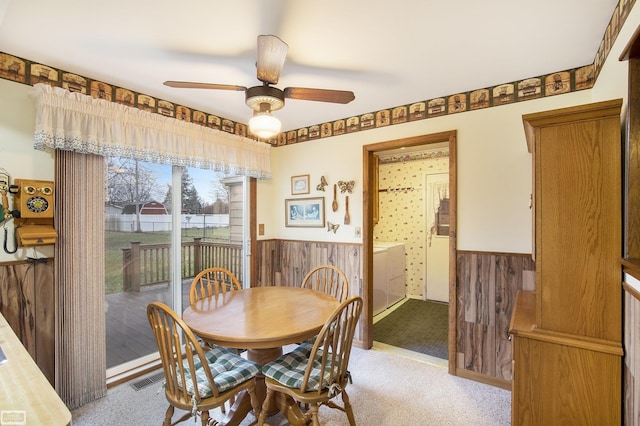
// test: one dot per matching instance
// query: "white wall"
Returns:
(17, 156)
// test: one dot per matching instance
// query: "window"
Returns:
(142, 264)
(442, 218)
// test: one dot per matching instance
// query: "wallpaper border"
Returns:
(556, 83)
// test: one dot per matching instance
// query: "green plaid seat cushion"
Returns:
(212, 352)
(312, 340)
(228, 369)
(289, 369)
(305, 347)
(309, 341)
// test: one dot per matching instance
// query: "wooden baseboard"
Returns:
(488, 380)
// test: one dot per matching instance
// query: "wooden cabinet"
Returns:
(27, 303)
(567, 334)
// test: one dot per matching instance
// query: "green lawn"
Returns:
(116, 241)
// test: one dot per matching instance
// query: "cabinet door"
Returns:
(578, 228)
(565, 385)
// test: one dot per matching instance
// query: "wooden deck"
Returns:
(128, 332)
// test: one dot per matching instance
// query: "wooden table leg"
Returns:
(290, 409)
(237, 413)
(283, 404)
(242, 406)
(263, 356)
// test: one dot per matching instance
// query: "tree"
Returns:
(130, 182)
(221, 207)
(218, 190)
(218, 207)
(191, 201)
(167, 198)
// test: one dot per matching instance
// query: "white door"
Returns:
(437, 271)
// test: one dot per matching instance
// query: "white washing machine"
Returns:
(396, 268)
(388, 275)
(379, 279)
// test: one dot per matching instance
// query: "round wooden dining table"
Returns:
(260, 320)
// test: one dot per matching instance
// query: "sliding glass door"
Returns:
(163, 225)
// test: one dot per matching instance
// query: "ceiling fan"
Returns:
(265, 98)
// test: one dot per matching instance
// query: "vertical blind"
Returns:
(79, 276)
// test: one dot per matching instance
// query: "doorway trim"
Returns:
(368, 170)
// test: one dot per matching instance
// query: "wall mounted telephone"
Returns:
(34, 200)
(33, 203)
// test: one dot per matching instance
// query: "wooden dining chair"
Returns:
(212, 281)
(315, 374)
(197, 379)
(327, 279)
(209, 282)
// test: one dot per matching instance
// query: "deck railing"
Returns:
(148, 264)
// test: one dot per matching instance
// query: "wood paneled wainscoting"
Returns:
(486, 289)
(27, 303)
(286, 262)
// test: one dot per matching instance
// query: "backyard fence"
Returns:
(148, 264)
(163, 222)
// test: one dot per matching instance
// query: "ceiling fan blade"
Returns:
(271, 55)
(320, 95)
(192, 85)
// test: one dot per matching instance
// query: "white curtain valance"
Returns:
(76, 122)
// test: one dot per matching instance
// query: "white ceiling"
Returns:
(388, 53)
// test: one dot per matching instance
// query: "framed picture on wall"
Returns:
(304, 212)
(299, 184)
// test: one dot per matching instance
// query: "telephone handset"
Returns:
(5, 213)
(4, 187)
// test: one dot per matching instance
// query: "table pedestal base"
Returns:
(290, 409)
(263, 356)
(283, 403)
(242, 406)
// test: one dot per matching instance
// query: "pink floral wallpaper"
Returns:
(402, 208)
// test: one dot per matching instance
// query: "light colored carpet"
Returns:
(388, 389)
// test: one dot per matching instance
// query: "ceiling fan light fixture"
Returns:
(264, 125)
(265, 99)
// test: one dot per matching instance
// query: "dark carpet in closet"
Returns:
(417, 325)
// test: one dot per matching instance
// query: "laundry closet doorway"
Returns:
(370, 211)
